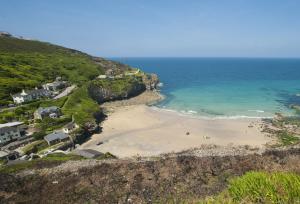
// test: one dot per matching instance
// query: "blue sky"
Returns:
(160, 28)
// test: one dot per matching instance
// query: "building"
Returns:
(110, 72)
(10, 131)
(102, 76)
(52, 112)
(56, 137)
(27, 96)
(70, 127)
(55, 86)
(88, 153)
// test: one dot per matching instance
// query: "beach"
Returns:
(136, 129)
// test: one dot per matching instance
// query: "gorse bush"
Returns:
(261, 187)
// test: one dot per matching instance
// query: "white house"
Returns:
(102, 76)
(26, 96)
(10, 131)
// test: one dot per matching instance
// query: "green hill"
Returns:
(27, 64)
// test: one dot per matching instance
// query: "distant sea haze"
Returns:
(225, 87)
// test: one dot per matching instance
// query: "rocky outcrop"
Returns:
(116, 89)
(150, 81)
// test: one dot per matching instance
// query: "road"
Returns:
(66, 92)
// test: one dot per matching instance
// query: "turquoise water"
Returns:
(225, 87)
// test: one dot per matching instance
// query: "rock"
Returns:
(106, 93)
(151, 81)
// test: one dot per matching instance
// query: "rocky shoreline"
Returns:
(148, 97)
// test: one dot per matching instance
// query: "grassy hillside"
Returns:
(27, 63)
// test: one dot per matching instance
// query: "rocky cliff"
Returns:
(150, 81)
(115, 89)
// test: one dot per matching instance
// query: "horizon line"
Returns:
(118, 57)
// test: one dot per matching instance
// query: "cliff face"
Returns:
(115, 89)
(150, 81)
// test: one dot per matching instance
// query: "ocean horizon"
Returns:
(225, 87)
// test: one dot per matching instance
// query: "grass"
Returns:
(62, 157)
(27, 64)
(81, 106)
(118, 86)
(55, 146)
(3, 161)
(261, 187)
(48, 125)
(287, 138)
(35, 146)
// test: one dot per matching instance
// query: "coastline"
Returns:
(135, 129)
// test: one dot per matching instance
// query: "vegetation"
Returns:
(48, 125)
(62, 157)
(35, 146)
(287, 138)
(27, 64)
(118, 85)
(107, 155)
(261, 187)
(49, 160)
(81, 106)
(25, 112)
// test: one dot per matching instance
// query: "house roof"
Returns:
(70, 125)
(50, 109)
(56, 136)
(12, 124)
(56, 83)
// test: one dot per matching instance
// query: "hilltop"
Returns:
(25, 64)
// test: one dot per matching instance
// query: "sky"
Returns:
(160, 28)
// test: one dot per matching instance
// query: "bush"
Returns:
(261, 187)
(39, 135)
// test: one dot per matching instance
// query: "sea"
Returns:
(225, 87)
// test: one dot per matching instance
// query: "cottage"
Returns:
(56, 137)
(88, 153)
(10, 131)
(52, 112)
(27, 96)
(70, 127)
(56, 85)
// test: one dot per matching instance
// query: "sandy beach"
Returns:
(148, 131)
